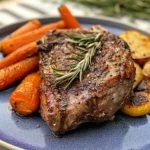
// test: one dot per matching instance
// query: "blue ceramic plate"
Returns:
(124, 133)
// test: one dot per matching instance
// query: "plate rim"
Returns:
(9, 146)
(115, 21)
(105, 20)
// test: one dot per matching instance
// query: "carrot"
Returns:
(12, 44)
(17, 72)
(25, 99)
(18, 55)
(29, 26)
(68, 18)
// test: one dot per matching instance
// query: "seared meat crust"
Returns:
(105, 86)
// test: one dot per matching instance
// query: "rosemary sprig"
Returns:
(87, 45)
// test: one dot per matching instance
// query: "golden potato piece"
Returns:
(138, 75)
(139, 105)
(139, 44)
(146, 69)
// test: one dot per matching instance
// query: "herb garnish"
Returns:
(87, 44)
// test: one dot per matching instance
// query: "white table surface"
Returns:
(18, 10)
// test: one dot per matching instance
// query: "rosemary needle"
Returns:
(87, 44)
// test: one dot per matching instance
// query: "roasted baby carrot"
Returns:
(25, 99)
(20, 54)
(68, 18)
(12, 44)
(29, 26)
(17, 72)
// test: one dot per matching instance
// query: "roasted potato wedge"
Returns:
(146, 69)
(139, 105)
(139, 45)
(138, 75)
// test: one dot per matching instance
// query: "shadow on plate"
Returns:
(103, 136)
(26, 122)
(134, 121)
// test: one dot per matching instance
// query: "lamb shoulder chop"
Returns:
(94, 95)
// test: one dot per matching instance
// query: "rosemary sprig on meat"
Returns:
(87, 45)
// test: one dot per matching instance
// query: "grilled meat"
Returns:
(106, 84)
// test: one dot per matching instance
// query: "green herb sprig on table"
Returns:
(87, 44)
(133, 8)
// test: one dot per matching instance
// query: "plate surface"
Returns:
(124, 133)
